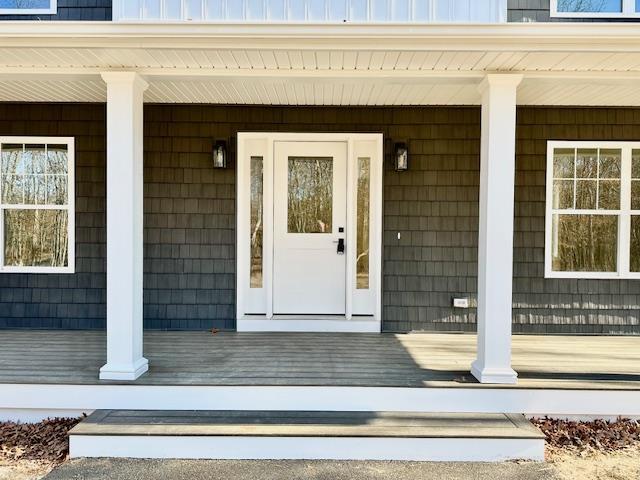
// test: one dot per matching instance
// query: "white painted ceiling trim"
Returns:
(591, 37)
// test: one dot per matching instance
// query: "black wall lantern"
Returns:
(402, 157)
(220, 154)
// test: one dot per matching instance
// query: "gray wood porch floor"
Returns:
(370, 360)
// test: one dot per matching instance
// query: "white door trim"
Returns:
(254, 304)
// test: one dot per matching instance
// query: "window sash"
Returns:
(628, 10)
(624, 214)
(69, 207)
(51, 10)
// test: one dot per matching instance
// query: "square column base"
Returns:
(124, 371)
(498, 376)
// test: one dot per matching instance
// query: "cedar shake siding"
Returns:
(81, 10)
(189, 236)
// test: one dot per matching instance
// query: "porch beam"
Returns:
(124, 226)
(495, 244)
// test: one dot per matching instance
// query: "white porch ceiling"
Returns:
(330, 66)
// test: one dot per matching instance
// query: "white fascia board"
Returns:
(622, 37)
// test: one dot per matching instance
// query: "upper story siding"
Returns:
(101, 10)
(96, 10)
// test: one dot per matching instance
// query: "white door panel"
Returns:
(310, 180)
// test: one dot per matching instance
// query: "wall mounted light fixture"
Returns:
(220, 154)
(401, 157)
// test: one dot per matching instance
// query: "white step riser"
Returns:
(307, 448)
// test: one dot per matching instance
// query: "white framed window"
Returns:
(595, 8)
(592, 227)
(28, 7)
(37, 199)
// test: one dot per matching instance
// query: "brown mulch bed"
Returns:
(46, 442)
(599, 435)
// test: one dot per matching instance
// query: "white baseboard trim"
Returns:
(22, 399)
(308, 448)
(308, 324)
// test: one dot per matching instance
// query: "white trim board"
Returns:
(308, 448)
(599, 403)
(255, 323)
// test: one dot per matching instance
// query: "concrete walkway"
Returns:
(110, 469)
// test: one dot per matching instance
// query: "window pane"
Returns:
(172, 10)
(584, 243)
(635, 194)
(12, 189)
(609, 195)
(22, 4)
(257, 221)
(214, 9)
(563, 163)
(400, 10)
(310, 202)
(635, 244)
(35, 189)
(35, 238)
(315, 10)
(379, 10)
(638, 6)
(590, 6)
(337, 10)
(610, 161)
(296, 10)
(151, 9)
(57, 159)
(255, 10)
(358, 10)
(130, 9)
(363, 214)
(276, 10)
(635, 163)
(193, 9)
(562, 194)
(587, 163)
(586, 194)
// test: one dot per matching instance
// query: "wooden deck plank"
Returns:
(301, 424)
(370, 360)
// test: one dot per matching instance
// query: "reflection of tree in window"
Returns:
(256, 222)
(34, 178)
(363, 199)
(310, 195)
(590, 6)
(25, 4)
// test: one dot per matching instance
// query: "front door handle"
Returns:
(341, 246)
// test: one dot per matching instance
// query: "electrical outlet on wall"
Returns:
(461, 303)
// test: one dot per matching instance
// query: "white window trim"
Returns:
(52, 10)
(70, 207)
(624, 214)
(628, 11)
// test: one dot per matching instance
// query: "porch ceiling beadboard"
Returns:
(322, 64)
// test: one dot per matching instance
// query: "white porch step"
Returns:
(306, 435)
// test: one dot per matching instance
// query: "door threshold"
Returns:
(308, 323)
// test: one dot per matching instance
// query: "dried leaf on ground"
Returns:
(599, 435)
(46, 441)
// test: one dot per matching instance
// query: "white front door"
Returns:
(310, 228)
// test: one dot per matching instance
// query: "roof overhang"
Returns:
(346, 64)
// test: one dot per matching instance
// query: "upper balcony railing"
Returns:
(313, 11)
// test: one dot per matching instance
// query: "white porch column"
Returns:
(495, 245)
(124, 226)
